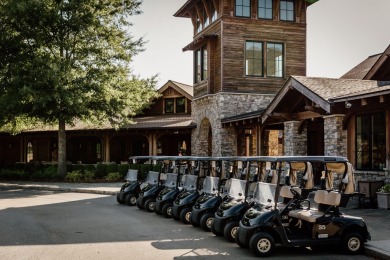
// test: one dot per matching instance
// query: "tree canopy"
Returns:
(63, 61)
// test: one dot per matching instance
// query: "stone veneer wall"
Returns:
(294, 143)
(335, 138)
(214, 108)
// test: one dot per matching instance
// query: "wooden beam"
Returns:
(307, 115)
(283, 116)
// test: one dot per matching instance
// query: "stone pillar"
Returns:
(335, 138)
(295, 143)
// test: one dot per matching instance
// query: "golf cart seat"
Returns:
(326, 201)
(286, 194)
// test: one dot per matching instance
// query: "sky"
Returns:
(340, 35)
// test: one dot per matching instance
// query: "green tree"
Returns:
(68, 61)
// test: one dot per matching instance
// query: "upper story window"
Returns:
(371, 141)
(214, 13)
(243, 8)
(254, 58)
(205, 19)
(199, 26)
(287, 10)
(175, 105)
(275, 60)
(256, 65)
(265, 9)
(200, 72)
(169, 105)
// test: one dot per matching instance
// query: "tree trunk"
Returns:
(61, 149)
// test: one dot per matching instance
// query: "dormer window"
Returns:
(175, 105)
(287, 10)
(265, 9)
(243, 8)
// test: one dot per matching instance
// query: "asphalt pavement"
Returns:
(378, 220)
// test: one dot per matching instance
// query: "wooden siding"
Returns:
(226, 53)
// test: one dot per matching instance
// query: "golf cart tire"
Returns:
(262, 244)
(150, 204)
(230, 231)
(352, 243)
(118, 199)
(238, 242)
(131, 200)
(185, 216)
(206, 221)
(215, 232)
(167, 210)
(139, 204)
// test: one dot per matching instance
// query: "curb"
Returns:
(37, 187)
(376, 252)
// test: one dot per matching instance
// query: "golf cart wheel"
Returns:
(352, 243)
(118, 199)
(150, 205)
(215, 232)
(262, 244)
(139, 204)
(230, 231)
(237, 239)
(131, 200)
(206, 221)
(167, 210)
(185, 216)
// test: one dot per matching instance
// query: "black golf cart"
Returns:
(262, 226)
(129, 191)
(172, 188)
(153, 186)
(239, 198)
(202, 213)
(182, 206)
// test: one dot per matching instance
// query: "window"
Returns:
(169, 105)
(205, 19)
(255, 65)
(30, 152)
(370, 142)
(181, 105)
(214, 14)
(198, 25)
(274, 60)
(254, 58)
(243, 8)
(200, 64)
(265, 9)
(287, 10)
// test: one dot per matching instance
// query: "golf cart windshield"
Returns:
(171, 180)
(235, 188)
(131, 175)
(152, 177)
(190, 182)
(210, 184)
(264, 193)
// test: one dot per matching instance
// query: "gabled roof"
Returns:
(185, 90)
(361, 70)
(375, 67)
(325, 91)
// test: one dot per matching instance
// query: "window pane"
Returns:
(275, 59)
(197, 72)
(287, 10)
(180, 105)
(169, 105)
(254, 59)
(265, 9)
(243, 8)
(370, 142)
(204, 63)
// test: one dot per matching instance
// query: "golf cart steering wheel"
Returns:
(297, 195)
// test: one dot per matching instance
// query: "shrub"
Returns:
(122, 169)
(8, 173)
(112, 167)
(49, 172)
(90, 167)
(100, 170)
(74, 176)
(88, 175)
(113, 176)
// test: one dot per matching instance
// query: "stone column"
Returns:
(335, 138)
(295, 143)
